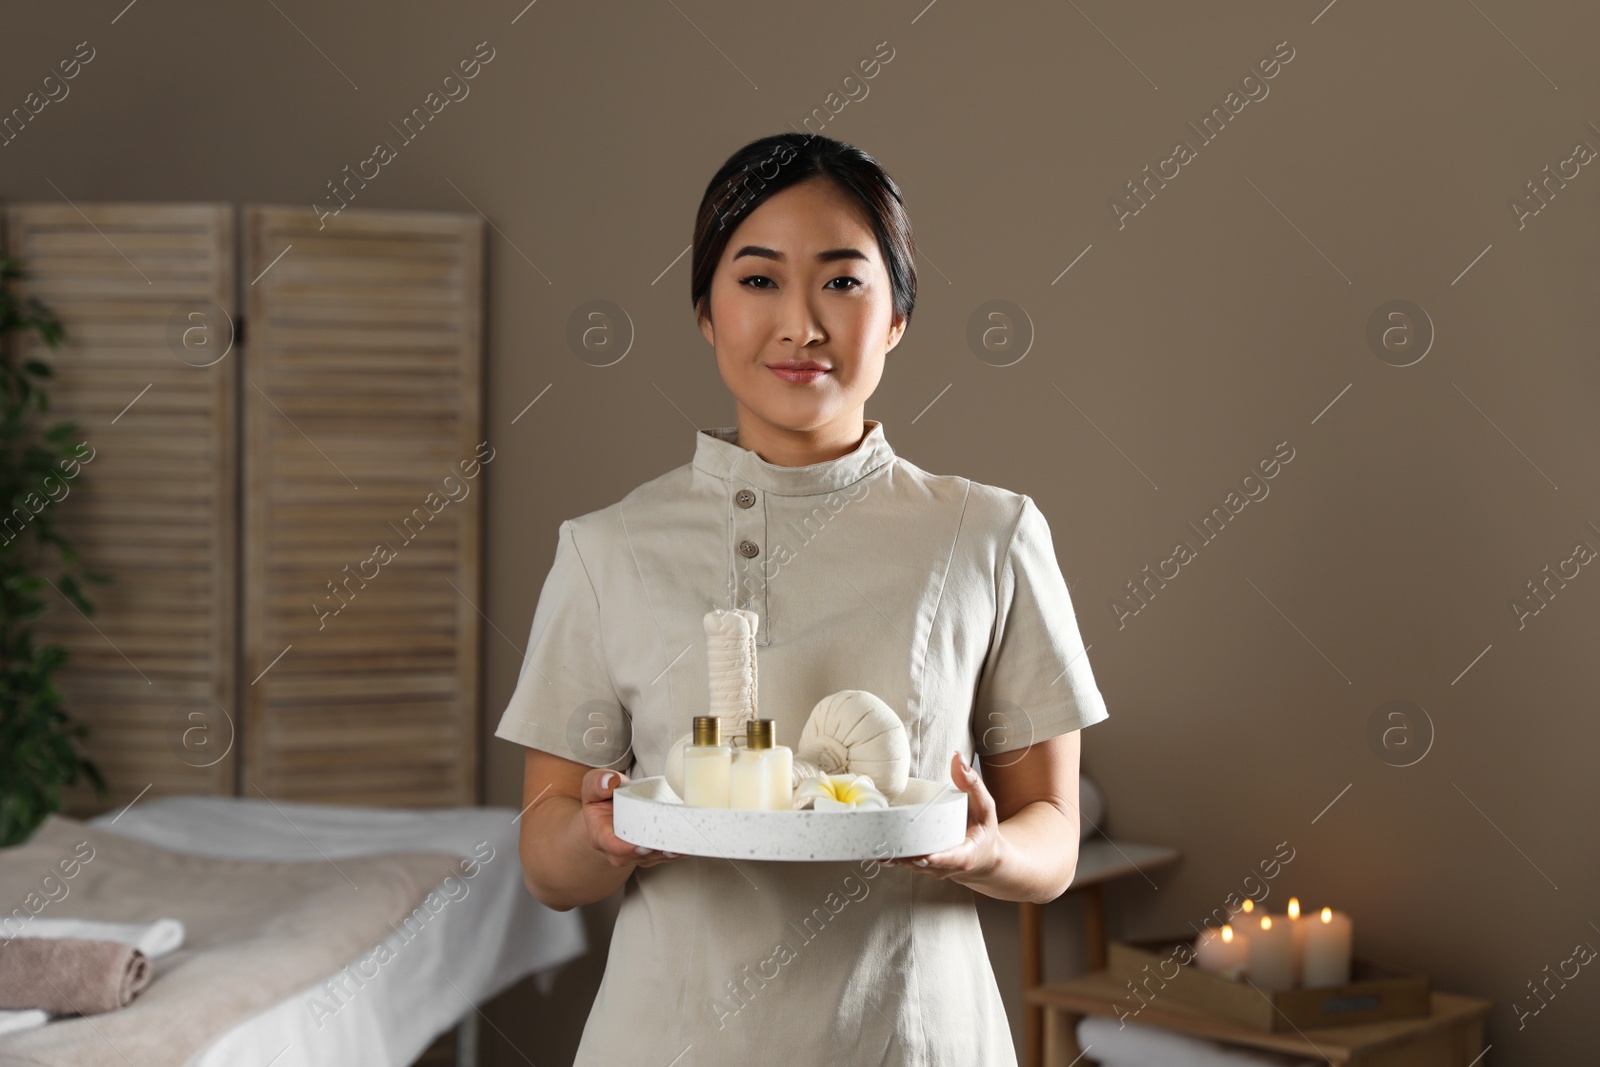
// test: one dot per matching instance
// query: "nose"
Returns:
(798, 322)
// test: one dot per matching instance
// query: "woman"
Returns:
(939, 594)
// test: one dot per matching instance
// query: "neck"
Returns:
(783, 446)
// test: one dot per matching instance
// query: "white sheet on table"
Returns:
(1142, 1045)
(473, 948)
(14, 1022)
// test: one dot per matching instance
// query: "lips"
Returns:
(800, 373)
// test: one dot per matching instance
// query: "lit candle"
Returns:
(1327, 950)
(1225, 954)
(1271, 955)
(1245, 918)
(1299, 929)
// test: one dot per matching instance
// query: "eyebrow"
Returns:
(828, 256)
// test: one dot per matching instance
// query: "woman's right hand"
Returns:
(598, 785)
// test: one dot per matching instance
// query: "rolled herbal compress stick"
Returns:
(731, 675)
(731, 666)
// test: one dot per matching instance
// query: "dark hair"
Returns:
(772, 164)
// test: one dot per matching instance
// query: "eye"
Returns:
(748, 280)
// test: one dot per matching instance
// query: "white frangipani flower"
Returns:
(839, 792)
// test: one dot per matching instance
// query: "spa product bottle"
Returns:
(706, 764)
(779, 769)
(760, 774)
(746, 783)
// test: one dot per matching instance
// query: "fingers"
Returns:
(597, 789)
(936, 863)
(962, 773)
(599, 783)
(639, 856)
(654, 858)
(980, 813)
(980, 804)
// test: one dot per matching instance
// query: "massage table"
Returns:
(493, 937)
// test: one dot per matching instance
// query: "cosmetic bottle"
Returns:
(746, 785)
(760, 775)
(779, 770)
(706, 765)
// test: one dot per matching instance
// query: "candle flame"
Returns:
(1248, 906)
(1327, 915)
(1266, 922)
(1294, 907)
(1227, 933)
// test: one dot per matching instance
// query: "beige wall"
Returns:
(1224, 317)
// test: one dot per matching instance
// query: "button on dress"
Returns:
(939, 594)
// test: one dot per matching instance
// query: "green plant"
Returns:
(38, 754)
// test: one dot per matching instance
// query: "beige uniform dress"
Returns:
(939, 594)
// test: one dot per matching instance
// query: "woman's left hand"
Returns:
(979, 854)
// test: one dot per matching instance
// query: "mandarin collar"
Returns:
(717, 454)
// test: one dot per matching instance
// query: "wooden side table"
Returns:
(1099, 861)
(1452, 1036)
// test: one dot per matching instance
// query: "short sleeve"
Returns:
(564, 702)
(1036, 682)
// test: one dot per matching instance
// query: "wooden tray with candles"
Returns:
(1163, 968)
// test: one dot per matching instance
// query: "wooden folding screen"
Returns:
(364, 473)
(294, 526)
(145, 292)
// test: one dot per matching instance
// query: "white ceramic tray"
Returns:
(928, 817)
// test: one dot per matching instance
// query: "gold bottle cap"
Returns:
(758, 733)
(707, 730)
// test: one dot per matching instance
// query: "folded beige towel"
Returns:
(154, 939)
(69, 975)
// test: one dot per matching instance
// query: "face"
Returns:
(802, 280)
